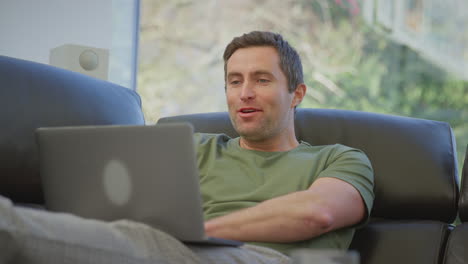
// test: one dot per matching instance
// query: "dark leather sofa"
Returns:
(35, 95)
(416, 183)
(417, 196)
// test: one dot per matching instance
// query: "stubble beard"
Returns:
(262, 132)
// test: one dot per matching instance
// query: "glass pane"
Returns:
(397, 57)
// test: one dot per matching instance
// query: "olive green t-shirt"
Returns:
(233, 178)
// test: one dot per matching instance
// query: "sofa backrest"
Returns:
(36, 95)
(457, 244)
(463, 203)
(414, 160)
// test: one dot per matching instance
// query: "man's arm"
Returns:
(328, 204)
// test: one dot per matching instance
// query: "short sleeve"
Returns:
(352, 166)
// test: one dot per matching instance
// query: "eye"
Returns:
(263, 81)
(234, 82)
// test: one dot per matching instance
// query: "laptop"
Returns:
(147, 174)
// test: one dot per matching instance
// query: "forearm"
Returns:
(327, 205)
(293, 217)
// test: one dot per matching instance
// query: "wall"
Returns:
(30, 28)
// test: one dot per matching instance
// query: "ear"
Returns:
(299, 94)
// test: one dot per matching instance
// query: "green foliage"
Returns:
(387, 77)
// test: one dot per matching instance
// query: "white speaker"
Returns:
(87, 60)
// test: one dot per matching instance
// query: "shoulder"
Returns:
(209, 138)
(206, 142)
(209, 148)
(343, 162)
(336, 152)
(344, 152)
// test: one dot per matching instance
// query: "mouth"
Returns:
(248, 111)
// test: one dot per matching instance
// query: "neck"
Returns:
(273, 144)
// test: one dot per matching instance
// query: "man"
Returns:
(291, 194)
(264, 187)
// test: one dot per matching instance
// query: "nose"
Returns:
(247, 92)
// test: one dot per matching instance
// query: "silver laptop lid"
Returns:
(143, 173)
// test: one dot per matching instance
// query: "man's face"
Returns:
(259, 103)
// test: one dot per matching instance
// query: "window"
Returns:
(397, 57)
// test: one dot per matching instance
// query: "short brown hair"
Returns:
(290, 62)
